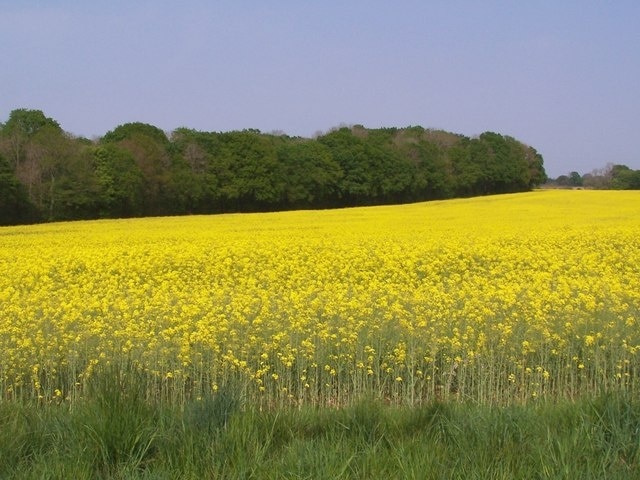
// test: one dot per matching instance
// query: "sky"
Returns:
(562, 76)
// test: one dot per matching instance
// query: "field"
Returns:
(496, 300)
(502, 301)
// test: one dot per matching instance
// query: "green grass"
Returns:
(117, 434)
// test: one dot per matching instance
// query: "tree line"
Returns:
(136, 169)
(611, 177)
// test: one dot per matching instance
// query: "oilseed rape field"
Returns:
(497, 300)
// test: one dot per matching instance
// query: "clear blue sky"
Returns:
(562, 76)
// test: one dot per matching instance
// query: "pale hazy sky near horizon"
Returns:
(561, 76)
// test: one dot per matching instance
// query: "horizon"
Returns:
(558, 77)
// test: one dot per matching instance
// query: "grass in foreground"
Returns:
(118, 435)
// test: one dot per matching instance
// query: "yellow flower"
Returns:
(469, 288)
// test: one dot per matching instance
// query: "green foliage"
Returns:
(118, 429)
(429, 155)
(624, 178)
(313, 175)
(135, 129)
(537, 175)
(14, 204)
(119, 182)
(115, 434)
(250, 174)
(194, 186)
(373, 171)
(26, 123)
(137, 170)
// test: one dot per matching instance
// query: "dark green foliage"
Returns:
(250, 174)
(119, 182)
(430, 155)
(313, 175)
(151, 152)
(75, 190)
(137, 170)
(135, 129)
(15, 206)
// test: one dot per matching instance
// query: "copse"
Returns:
(137, 169)
(611, 177)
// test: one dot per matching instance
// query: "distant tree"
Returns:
(312, 175)
(195, 148)
(134, 129)
(149, 147)
(136, 169)
(57, 157)
(119, 181)
(575, 179)
(634, 180)
(15, 207)
(195, 186)
(624, 178)
(598, 178)
(467, 168)
(35, 146)
(250, 176)
(511, 165)
(16, 133)
(49, 165)
(373, 171)
(76, 191)
(347, 150)
(537, 174)
(428, 153)
(393, 172)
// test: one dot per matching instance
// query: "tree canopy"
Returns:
(136, 169)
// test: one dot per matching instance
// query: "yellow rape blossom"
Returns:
(500, 299)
